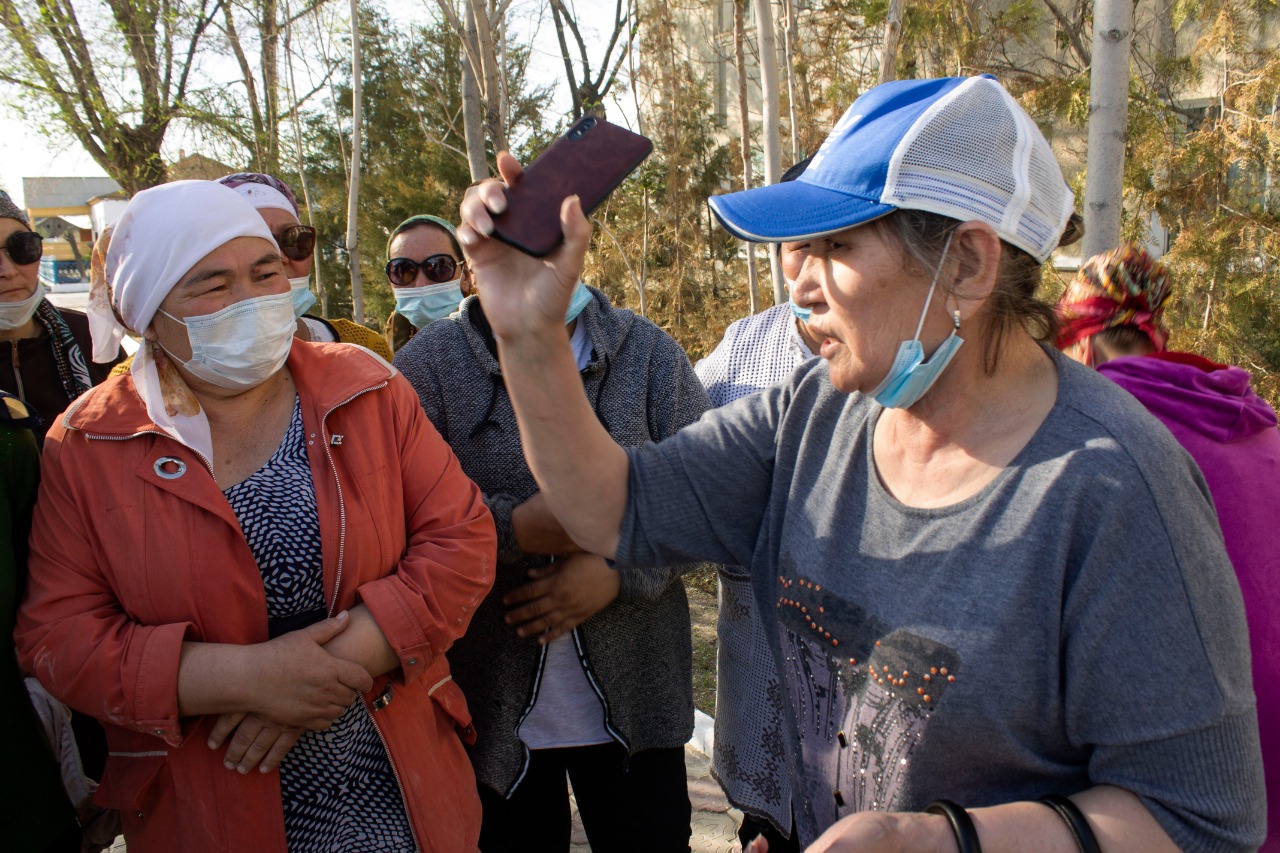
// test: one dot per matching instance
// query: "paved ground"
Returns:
(715, 824)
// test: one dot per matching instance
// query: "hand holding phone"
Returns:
(588, 161)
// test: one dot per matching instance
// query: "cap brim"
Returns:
(795, 210)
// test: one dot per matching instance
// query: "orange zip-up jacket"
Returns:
(126, 564)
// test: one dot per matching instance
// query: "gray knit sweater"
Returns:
(637, 650)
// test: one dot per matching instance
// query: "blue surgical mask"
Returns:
(801, 314)
(581, 296)
(911, 376)
(421, 305)
(303, 298)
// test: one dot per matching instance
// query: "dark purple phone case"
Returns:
(589, 166)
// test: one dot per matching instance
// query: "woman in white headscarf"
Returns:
(237, 540)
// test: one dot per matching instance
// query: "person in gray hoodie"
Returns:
(569, 665)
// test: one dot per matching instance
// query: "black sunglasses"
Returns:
(297, 242)
(403, 272)
(24, 247)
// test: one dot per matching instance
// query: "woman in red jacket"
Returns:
(250, 553)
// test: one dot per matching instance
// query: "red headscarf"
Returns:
(1123, 287)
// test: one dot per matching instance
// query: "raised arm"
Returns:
(578, 466)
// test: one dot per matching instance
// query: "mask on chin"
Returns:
(911, 376)
(577, 302)
(300, 293)
(14, 315)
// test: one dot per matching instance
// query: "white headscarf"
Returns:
(162, 234)
(263, 197)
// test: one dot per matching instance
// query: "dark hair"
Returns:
(1124, 340)
(1013, 301)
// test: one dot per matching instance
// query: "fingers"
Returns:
(279, 750)
(482, 202)
(536, 610)
(540, 625)
(557, 632)
(324, 631)
(576, 228)
(509, 168)
(531, 591)
(353, 676)
(758, 846)
(225, 725)
(250, 742)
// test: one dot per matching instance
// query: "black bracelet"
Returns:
(1075, 820)
(961, 824)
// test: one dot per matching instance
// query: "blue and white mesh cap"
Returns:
(958, 146)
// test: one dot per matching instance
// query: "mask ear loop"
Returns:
(932, 286)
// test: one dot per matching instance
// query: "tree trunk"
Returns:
(353, 186)
(495, 118)
(270, 85)
(744, 130)
(473, 111)
(769, 120)
(790, 42)
(1108, 121)
(892, 36)
(297, 154)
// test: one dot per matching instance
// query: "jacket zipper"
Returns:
(404, 801)
(337, 585)
(66, 423)
(537, 689)
(17, 369)
(595, 685)
(342, 506)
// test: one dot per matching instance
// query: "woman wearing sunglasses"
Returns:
(250, 555)
(278, 207)
(41, 347)
(427, 275)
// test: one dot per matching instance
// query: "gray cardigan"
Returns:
(637, 650)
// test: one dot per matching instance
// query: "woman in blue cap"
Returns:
(992, 581)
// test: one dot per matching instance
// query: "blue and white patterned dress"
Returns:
(340, 793)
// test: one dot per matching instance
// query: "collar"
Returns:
(326, 376)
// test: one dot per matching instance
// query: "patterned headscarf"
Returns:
(262, 191)
(9, 210)
(1123, 287)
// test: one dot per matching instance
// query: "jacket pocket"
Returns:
(129, 780)
(448, 698)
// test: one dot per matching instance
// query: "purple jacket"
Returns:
(1231, 433)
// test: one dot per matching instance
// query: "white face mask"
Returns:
(242, 345)
(14, 315)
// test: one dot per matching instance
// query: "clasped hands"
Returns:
(296, 685)
(563, 594)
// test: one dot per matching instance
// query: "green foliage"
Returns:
(694, 283)
(1209, 175)
(413, 156)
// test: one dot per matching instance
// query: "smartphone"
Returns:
(589, 161)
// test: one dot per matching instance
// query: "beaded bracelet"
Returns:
(1075, 820)
(961, 824)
